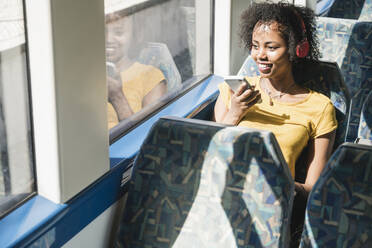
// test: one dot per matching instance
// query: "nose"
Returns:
(261, 53)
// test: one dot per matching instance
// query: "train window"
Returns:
(17, 181)
(153, 48)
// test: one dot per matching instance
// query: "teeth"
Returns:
(263, 66)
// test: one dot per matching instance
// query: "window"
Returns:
(153, 49)
(16, 154)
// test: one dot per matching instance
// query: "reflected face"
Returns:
(118, 39)
(270, 51)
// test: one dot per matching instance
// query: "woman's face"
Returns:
(270, 51)
(118, 38)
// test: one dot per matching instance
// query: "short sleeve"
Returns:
(152, 78)
(327, 121)
(225, 94)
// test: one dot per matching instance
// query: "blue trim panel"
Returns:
(27, 219)
(32, 222)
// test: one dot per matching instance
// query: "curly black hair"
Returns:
(288, 17)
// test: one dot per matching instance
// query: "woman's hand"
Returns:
(115, 93)
(243, 99)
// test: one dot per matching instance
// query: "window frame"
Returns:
(60, 200)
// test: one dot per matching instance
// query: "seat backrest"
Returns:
(357, 63)
(357, 71)
(365, 125)
(334, 35)
(158, 55)
(338, 213)
(201, 184)
(348, 9)
(249, 68)
(348, 42)
(366, 14)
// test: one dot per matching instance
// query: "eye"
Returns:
(254, 46)
(272, 48)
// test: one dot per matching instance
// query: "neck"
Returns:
(281, 84)
(123, 63)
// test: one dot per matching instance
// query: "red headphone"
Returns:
(303, 47)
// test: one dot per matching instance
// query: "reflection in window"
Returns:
(151, 50)
(16, 160)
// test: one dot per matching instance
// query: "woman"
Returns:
(131, 85)
(281, 38)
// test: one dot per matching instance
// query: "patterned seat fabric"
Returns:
(339, 212)
(348, 9)
(200, 184)
(249, 68)
(158, 55)
(356, 105)
(348, 42)
(365, 126)
(357, 63)
(357, 71)
(366, 14)
(334, 35)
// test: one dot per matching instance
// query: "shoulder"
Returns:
(320, 101)
(324, 121)
(147, 71)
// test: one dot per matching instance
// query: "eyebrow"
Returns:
(266, 43)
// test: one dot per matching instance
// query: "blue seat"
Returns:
(366, 14)
(249, 68)
(365, 125)
(158, 55)
(348, 42)
(338, 213)
(201, 184)
(357, 69)
(348, 9)
(334, 35)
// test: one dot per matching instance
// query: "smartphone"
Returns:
(235, 81)
(112, 71)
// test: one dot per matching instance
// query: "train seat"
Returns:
(249, 68)
(158, 55)
(348, 42)
(201, 184)
(338, 213)
(366, 14)
(365, 126)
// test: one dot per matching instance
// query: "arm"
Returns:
(319, 152)
(157, 92)
(117, 98)
(241, 101)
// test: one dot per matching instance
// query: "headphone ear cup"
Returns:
(302, 49)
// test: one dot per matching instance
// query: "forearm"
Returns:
(121, 105)
(229, 119)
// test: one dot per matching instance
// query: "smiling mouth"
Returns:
(264, 68)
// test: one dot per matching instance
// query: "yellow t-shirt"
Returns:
(293, 124)
(138, 80)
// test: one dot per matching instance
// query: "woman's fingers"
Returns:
(242, 88)
(254, 100)
(248, 95)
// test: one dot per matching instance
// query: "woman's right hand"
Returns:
(241, 100)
